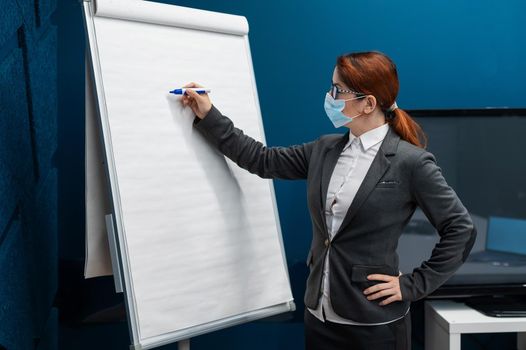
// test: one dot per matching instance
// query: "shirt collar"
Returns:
(369, 138)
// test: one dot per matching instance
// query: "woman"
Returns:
(363, 187)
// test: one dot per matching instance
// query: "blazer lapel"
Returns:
(329, 162)
(378, 168)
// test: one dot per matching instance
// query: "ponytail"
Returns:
(407, 128)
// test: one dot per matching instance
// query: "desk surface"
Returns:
(456, 317)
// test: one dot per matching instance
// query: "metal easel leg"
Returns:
(184, 344)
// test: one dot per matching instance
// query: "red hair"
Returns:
(373, 73)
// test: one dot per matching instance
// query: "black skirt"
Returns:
(335, 336)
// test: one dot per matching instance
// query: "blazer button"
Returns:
(326, 242)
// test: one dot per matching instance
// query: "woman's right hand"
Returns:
(199, 103)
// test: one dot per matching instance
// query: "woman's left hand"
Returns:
(390, 287)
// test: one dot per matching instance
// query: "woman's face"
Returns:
(352, 107)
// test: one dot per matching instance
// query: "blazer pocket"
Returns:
(388, 184)
(359, 273)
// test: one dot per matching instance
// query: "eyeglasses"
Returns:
(335, 90)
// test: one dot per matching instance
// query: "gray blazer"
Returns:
(401, 177)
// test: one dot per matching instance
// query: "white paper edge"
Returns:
(172, 15)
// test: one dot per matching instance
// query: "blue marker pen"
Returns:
(182, 91)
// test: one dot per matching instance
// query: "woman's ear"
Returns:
(370, 104)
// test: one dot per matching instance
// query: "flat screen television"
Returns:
(482, 154)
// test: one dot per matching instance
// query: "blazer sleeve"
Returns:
(451, 219)
(267, 162)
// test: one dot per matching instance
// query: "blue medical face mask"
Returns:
(334, 109)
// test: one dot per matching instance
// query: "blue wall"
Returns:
(450, 54)
(28, 174)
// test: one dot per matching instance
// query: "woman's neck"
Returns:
(365, 123)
